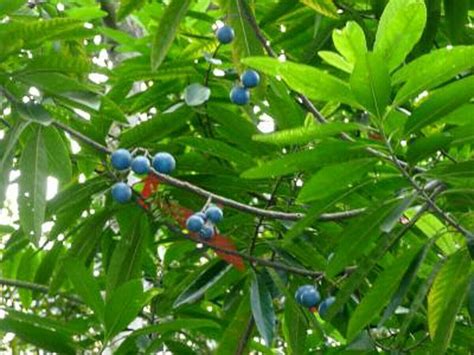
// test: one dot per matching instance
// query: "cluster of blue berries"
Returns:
(309, 297)
(122, 160)
(203, 222)
(240, 94)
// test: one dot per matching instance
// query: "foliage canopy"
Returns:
(351, 169)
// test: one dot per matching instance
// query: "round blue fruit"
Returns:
(195, 223)
(206, 232)
(308, 296)
(214, 214)
(121, 192)
(225, 34)
(140, 165)
(164, 163)
(239, 95)
(325, 304)
(250, 78)
(121, 159)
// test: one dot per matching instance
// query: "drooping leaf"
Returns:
(59, 162)
(167, 30)
(203, 281)
(400, 28)
(445, 297)
(380, 293)
(34, 171)
(262, 308)
(85, 285)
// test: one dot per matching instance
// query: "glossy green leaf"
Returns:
(379, 295)
(336, 61)
(38, 336)
(34, 171)
(123, 306)
(167, 30)
(322, 184)
(431, 70)
(126, 261)
(204, 279)
(324, 7)
(59, 162)
(85, 285)
(262, 308)
(312, 82)
(370, 83)
(440, 103)
(350, 42)
(33, 112)
(445, 297)
(400, 28)
(357, 238)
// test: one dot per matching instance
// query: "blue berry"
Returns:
(250, 78)
(325, 304)
(195, 223)
(214, 214)
(206, 232)
(140, 165)
(225, 34)
(307, 296)
(121, 159)
(239, 95)
(121, 192)
(163, 163)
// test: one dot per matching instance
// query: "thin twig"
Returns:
(36, 287)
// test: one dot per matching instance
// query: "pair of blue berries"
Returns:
(203, 222)
(240, 94)
(309, 297)
(122, 160)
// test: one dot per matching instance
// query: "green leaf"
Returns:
(357, 238)
(394, 217)
(457, 20)
(59, 162)
(34, 171)
(400, 28)
(7, 151)
(445, 298)
(127, 7)
(167, 29)
(336, 61)
(26, 270)
(431, 70)
(440, 103)
(126, 262)
(304, 135)
(204, 280)
(370, 83)
(350, 42)
(262, 308)
(196, 94)
(312, 82)
(175, 325)
(324, 7)
(33, 112)
(86, 286)
(327, 153)
(322, 184)
(380, 292)
(9, 6)
(38, 336)
(124, 305)
(157, 128)
(86, 13)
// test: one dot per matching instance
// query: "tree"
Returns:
(347, 169)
